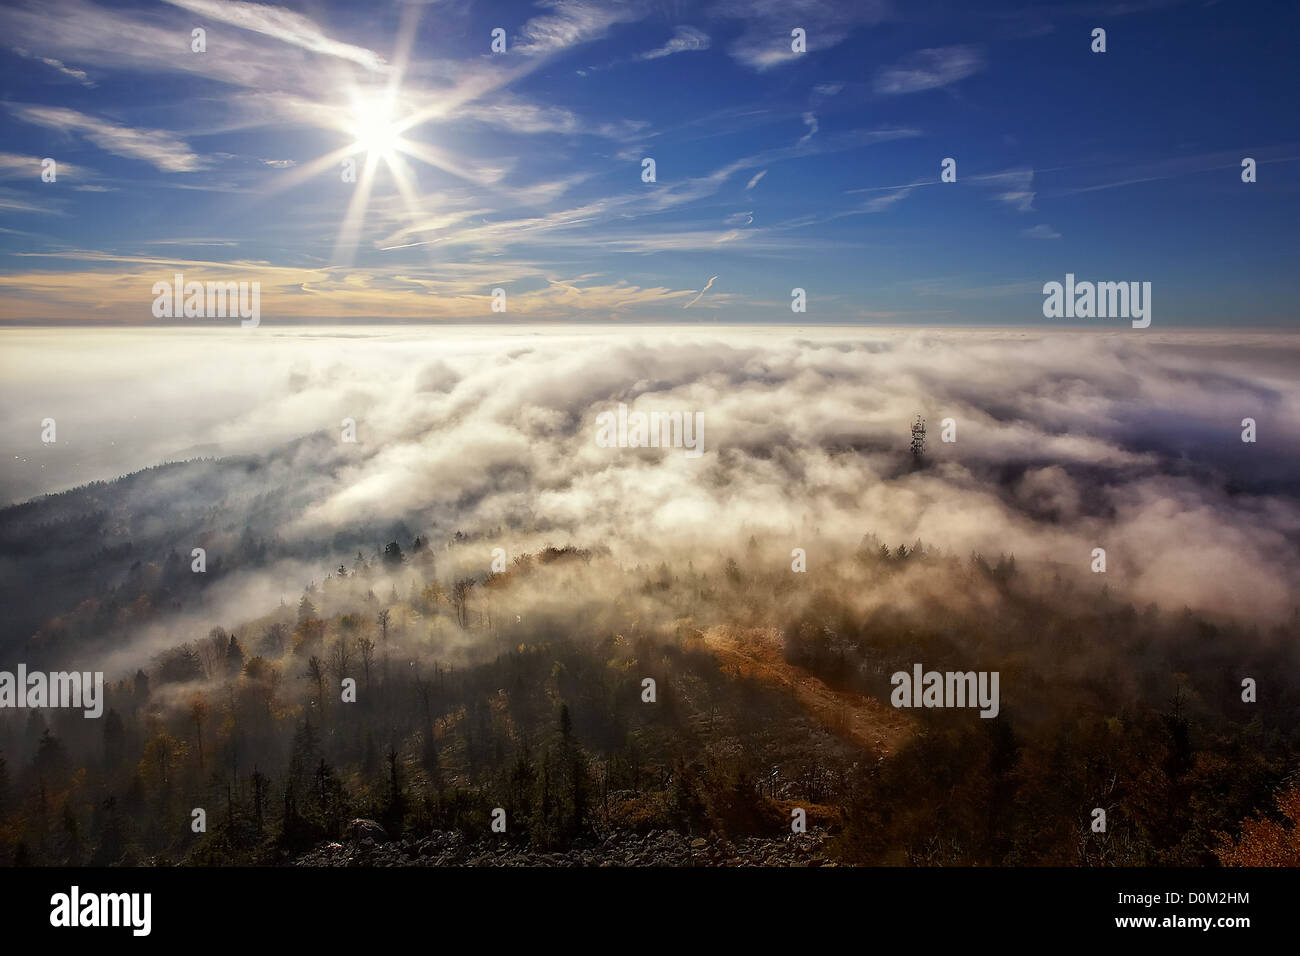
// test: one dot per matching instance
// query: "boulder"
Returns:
(361, 830)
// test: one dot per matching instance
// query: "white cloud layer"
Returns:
(1065, 442)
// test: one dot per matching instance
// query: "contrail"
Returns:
(700, 294)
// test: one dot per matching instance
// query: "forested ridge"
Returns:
(523, 690)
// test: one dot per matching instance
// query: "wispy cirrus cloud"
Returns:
(116, 39)
(595, 222)
(929, 70)
(1117, 175)
(765, 40)
(12, 201)
(884, 201)
(517, 115)
(1012, 186)
(157, 147)
(684, 40)
(55, 64)
(570, 23)
(1015, 187)
(810, 120)
(281, 24)
(882, 197)
(116, 288)
(19, 166)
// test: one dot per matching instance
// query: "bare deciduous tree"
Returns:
(198, 713)
(316, 672)
(367, 648)
(460, 599)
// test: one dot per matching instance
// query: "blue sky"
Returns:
(522, 170)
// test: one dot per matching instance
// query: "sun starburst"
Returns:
(373, 126)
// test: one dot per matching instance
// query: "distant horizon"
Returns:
(128, 397)
(211, 326)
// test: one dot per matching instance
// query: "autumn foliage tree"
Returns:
(1265, 841)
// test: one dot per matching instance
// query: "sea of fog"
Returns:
(1063, 441)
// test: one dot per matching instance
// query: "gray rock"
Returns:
(360, 830)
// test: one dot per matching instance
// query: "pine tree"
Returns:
(234, 657)
(305, 750)
(395, 810)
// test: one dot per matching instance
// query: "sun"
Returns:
(373, 127)
(378, 122)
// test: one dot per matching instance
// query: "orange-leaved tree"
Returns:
(1267, 842)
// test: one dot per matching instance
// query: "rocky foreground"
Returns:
(368, 845)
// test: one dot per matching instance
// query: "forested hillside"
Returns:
(412, 685)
